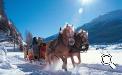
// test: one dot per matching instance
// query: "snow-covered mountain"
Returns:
(104, 29)
(51, 38)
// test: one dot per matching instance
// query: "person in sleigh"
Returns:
(43, 51)
(30, 55)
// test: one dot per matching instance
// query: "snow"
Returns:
(13, 63)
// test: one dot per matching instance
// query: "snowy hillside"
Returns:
(109, 27)
(13, 63)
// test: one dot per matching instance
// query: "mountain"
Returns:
(104, 29)
(51, 38)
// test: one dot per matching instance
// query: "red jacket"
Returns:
(42, 51)
(43, 48)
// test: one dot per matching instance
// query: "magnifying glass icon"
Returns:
(107, 60)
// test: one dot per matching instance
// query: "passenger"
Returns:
(30, 55)
(40, 41)
(35, 49)
(43, 51)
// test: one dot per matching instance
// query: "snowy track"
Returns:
(15, 64)
(22, 67)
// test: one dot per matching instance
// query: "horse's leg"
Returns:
(78, 56)
(72, 59)
(62, 61)
(64, 66)
(48, 59)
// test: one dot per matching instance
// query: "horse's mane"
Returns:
(83, 32)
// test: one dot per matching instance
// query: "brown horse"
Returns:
(81, 45)
(64, 51)
(60, 47)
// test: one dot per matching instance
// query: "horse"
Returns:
(60, 47)
(81, 45)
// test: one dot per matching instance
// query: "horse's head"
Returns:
(83, 34)
(82, 38)
(68, 35)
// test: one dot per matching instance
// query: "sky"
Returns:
(44, 17)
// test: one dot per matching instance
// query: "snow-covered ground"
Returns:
(14, 64)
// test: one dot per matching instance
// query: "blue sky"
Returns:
(44, 17)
